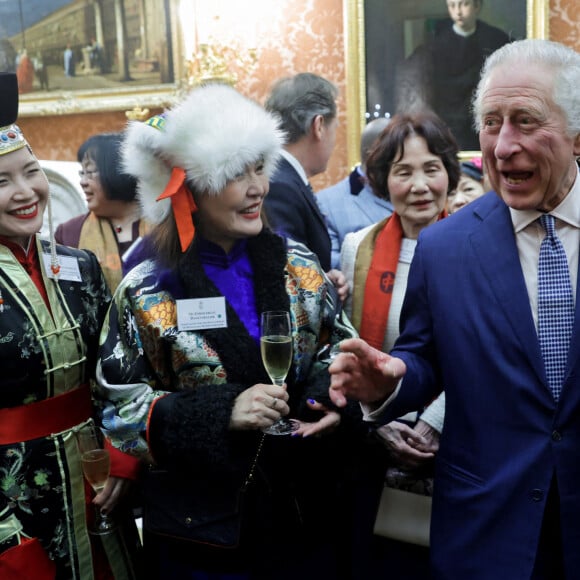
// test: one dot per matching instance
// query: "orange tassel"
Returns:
(183, 206)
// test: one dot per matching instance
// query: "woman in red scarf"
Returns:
(414, 165)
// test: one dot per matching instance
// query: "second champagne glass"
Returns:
(276, 349)
(96, 464)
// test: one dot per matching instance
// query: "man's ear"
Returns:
(318, 127)
(577, 145)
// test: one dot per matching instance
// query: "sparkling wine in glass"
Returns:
(96, 464)
(276, 349)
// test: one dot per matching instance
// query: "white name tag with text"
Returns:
(69, 268)
(201, 313)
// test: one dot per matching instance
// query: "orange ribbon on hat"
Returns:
(182, 204)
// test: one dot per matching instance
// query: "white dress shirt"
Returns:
(530, 233)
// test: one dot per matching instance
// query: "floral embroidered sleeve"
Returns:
(127, 385)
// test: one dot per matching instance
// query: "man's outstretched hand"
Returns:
(363, 373)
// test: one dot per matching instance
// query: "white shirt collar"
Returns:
(296, 164)
(568, 210)
(462, 32)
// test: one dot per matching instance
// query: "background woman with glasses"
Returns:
(113, 224)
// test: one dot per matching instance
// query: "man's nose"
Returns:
(507, 141)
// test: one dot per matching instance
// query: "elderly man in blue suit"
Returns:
(483, 320)
(350, 204)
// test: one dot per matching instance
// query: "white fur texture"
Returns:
(214, 134)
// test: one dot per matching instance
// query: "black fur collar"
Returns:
(237, 350)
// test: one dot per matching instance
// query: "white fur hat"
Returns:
(214, 134)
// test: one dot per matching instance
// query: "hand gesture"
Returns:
(326, 424)
(363, 373)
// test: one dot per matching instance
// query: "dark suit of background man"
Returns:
(506, 502)
(306, 104)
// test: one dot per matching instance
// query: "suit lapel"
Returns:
(574, 352)
(286, 167)
(495, 247)
(309, 196)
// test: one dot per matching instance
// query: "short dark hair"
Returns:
(297, 100)
(390, 147)
(104, 149)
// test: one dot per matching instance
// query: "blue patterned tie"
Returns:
(555, 306)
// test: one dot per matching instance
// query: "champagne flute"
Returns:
(96, 464)
(276, 349)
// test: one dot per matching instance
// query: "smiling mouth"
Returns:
(26, 211)
(251, 210)
(516, 177)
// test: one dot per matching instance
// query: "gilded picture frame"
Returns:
(535, 22)
(151, 74)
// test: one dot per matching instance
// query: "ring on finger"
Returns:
(274, 402)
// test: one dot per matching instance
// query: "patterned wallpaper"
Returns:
(564, 22)
(301, 35)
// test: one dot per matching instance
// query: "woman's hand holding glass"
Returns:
(96, 465)
(262, 405)
(276, 350)
(115, 489)
(259, 407)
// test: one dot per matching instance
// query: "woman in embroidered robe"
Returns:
(53, 300)
(414, 165)
(191, 398)
(112, 228)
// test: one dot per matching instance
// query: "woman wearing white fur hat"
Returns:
(191, 398)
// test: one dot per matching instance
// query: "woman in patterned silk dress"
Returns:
(191, 399)
(52, 303)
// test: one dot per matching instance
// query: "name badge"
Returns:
(69, 268)
(201, 313)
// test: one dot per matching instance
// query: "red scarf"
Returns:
(380, 281)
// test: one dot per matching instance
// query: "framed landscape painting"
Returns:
(88, 55)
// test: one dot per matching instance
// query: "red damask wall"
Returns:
(307, 36)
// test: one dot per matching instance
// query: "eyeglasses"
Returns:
(88, 174)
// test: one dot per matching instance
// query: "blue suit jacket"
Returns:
(292, 211)
(349, 209)
(467, 327)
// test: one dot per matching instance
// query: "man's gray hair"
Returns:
(564, 61)
(297, 100)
